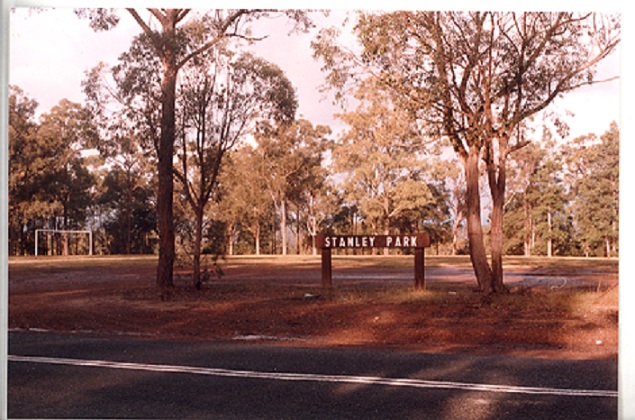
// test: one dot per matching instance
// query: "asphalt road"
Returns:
(77, 376)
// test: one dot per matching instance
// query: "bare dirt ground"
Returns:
(565, 309)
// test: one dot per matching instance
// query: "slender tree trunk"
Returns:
(459, 211)
(497, 242)
(230, 239)
(497, 182)
(549, 240)
(455, 232)
(455, 241)
(65, 244)
(283, 225)
(65, 235)
(165, 212)
(273, 235)
(298, 241)
(354, 224)
(257, 235)
(478, 255)
(128, 209)
(527, 227)
(198, 240)
(128, 228)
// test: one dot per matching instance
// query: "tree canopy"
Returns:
(473, 79)
(180, 36)
(442, 107)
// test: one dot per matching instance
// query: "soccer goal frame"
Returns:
(63, 231)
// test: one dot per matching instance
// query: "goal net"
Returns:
(63, 242)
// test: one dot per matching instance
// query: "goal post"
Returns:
(62, 232)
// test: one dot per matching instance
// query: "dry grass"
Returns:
(109, 295)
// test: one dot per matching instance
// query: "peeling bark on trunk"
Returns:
(165, 197)
(497, 178)
(497, 285)
(478, 255)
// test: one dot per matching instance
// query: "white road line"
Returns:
(367, 380)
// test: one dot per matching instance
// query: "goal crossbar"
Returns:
(89, 232)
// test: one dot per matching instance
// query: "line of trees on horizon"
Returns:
(277, 191)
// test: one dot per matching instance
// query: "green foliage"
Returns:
(49, 185)
(381, 160)
(100, 19)
(289, 160)
(221, 99)
(570, 197)
(514, 227)
(130, 222)
(593, 166)
(123, 98)
(245, 204)
(24, 205)
(281, 175)
(547, 198)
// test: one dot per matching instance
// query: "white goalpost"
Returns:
(62, 232)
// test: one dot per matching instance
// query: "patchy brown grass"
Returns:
(116, 296)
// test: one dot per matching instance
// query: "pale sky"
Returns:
(50, 50)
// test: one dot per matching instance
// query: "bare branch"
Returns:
(160, 15)
(230, 20)
(182, 14)
(156, 41)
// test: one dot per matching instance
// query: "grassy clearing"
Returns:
(303, 261)
(462, 261)
(291, 261)
(99, 261)
(560, 262)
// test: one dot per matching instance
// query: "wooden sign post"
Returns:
(417, 241)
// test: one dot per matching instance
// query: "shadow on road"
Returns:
(428, 386)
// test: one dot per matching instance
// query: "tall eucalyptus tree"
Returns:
(221, 100)
(178, 36)
(474, 78)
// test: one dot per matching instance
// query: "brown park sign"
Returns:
(418, 241)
